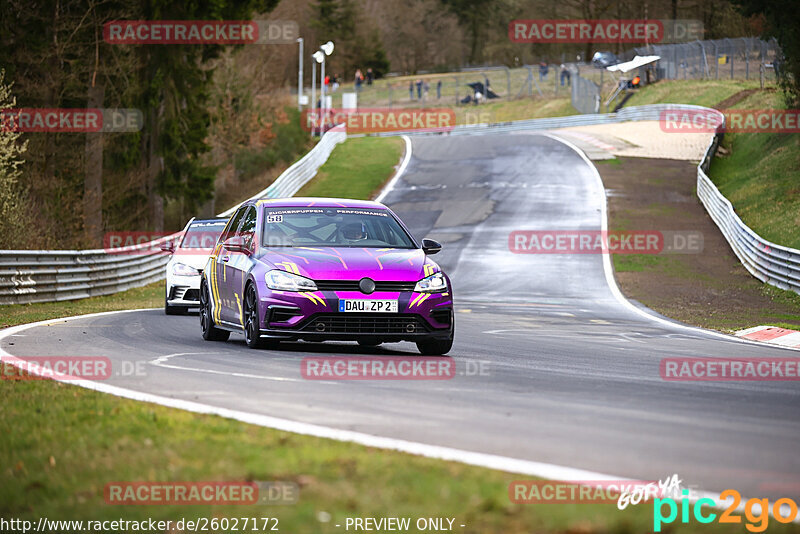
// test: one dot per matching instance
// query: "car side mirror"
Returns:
(168, 246)
(430, 247)
(236, 244)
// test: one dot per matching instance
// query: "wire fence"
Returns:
(743, 58)
(735, 59)
(746, 58)
(585, 94)
(457, 89)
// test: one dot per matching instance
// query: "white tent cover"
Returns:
(635, 63)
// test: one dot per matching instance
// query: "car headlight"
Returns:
(283, 281)
(434, 283)
(181, 269)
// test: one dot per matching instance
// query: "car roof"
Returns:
(216, 220)
(308, 202)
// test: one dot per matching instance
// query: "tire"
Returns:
(252, 330)
(174, 310)
(435, 347)
(210, 331)
(438, 347)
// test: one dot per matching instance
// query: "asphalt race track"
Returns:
(570, 373)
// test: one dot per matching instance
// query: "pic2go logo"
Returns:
(758, 519)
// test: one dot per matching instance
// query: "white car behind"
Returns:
(184, 269)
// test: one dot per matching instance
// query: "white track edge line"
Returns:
(400, 170)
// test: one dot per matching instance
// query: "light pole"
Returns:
(326, 49)
(318, 58)
(300, 76)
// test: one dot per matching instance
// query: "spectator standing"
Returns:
(438, 89)
(425, 88)
(370, 76)
(359, 80)
(543, 68)
(565, 75)
(410, 90)
(418, 83)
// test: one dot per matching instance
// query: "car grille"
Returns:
(365, 324)
(352, 285)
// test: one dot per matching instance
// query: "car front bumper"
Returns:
(183, 291)
(314, 316)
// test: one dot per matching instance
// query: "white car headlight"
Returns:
(181, 269)
(283, 281)
(434, 283)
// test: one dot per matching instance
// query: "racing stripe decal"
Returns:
(239, 305)
(289, 266)
(213, 295)
(313, 297)
(414, 301)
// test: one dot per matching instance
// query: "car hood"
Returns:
(193, 257)
(351, 263)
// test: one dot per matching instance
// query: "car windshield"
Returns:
(203, 234)
(333, 227)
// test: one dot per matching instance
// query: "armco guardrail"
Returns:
(28, 276)
(303, 170)
(774, 264)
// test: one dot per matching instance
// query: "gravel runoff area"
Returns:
(641, 139)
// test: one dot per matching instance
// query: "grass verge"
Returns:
(63, 444)
(357, 168)
(698, 92)
(760, 174)
(149, 296)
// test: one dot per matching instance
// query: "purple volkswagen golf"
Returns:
(325, 269)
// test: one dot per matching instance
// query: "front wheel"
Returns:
(252, 328)
(435, 347)
(210, 332)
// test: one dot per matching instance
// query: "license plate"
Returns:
(370, 306)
